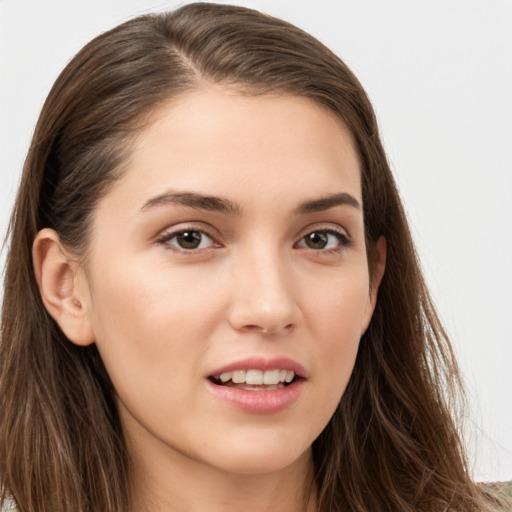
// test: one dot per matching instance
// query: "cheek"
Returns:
(149, 324)
(147, 298)
(151, 330)
(338, 316)
(339, 308)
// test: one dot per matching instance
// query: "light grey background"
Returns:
(440, 76)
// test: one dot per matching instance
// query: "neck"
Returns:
(179, 483)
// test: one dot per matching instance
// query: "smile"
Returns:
(255, 380)
(259, 386)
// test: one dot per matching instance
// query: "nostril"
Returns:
(269, 330)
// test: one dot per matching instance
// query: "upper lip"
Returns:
(263, 364)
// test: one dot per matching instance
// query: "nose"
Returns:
(264, 294)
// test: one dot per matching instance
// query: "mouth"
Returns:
(256, 380)
(259, 386)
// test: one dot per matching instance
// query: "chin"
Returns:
(260, 455)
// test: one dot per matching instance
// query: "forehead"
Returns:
(218, 141)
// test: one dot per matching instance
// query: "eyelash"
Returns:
(166, 238)
(343, 240)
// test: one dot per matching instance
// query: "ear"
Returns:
(379, 266)
(63, 287)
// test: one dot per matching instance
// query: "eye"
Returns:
(324, 240)
(188, 240)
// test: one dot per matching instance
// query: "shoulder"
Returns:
(8, 506)
(499, 494)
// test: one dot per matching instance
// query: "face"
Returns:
(228, 279)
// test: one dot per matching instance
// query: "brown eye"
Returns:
(324, 240)
(188, 240)
(316, 240)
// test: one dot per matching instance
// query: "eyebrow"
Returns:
(222, 205)
(324, 203)
(193, 200)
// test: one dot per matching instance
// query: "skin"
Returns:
(165, 318)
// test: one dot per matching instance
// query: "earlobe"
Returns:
(63, 287)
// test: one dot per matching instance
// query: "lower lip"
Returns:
(259, 402)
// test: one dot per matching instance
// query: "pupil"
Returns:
(189, 239)
(316, 240)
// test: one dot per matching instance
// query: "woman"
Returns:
(212, 299)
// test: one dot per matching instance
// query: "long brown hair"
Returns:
(392, 444)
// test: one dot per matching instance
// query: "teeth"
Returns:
(238, 377)
(254, 377)
(257, 377)
(224, 377)
(271, 377)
